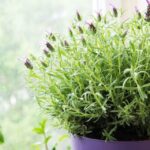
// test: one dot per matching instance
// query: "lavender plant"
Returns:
(96, 81)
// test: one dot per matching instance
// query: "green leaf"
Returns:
(38, 130)
(43, 124)
(63, 137)
(41, 128)
(47, 139)
(1, 138)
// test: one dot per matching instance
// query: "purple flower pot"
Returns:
(82, 143)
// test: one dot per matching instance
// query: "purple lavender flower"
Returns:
(44, 64)
(78, 16)
(49, 46)
(148, 11)
(66, 43)
(70, 32)
(92, 27)
(115, 11)
(53, 37)
(138, 13)
(99, 16)
(28, 64)
(80, 29)
(46, 52)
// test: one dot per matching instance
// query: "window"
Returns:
(127, 5)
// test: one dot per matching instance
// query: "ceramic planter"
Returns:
(82, 143)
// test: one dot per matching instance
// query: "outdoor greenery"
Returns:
(96, 81)
(23, 24)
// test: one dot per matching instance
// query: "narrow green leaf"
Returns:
(63, 137)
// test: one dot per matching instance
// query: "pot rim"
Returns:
(99, 140)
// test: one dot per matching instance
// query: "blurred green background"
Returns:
(23, 25)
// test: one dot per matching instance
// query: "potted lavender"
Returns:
(96, 82)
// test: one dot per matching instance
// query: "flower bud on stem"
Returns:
(99, 18)
(66, 43)
(70, 32)
(138, 13)
(44, 64)
(80, 29)
(115, 11)
(49, 46)
(92, 27)
(46, 52)
(28, 64)
(148, 11)
(52, 36)
(79, 18)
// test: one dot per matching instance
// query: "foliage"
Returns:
(96, 83)
(41, 130)
(1, 138)
(17, 124)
